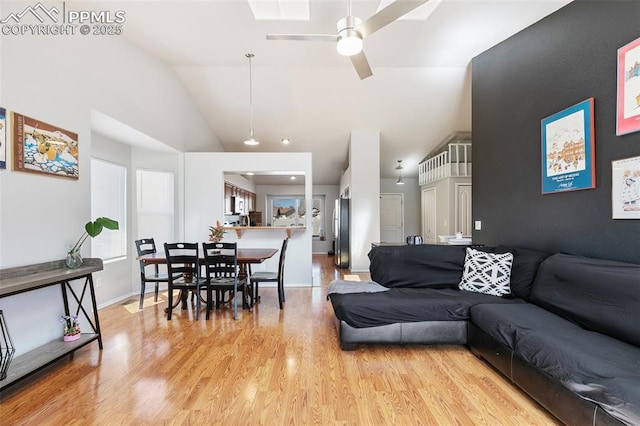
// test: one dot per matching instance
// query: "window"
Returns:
(290, 211)
(109, 199)
(317, 216)
(155, 205)
(287, 211)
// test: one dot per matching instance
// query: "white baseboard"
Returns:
(116, 300)
(152, 290)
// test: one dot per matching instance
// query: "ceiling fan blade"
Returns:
(361, 65)
(387, 15)
(306, 37)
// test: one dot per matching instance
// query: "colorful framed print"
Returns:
(625, 188)
(568, 149)
(39, 147)
(3, 138)
(628, 105)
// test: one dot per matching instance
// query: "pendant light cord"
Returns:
(250, 55)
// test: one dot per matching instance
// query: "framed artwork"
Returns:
(625, 188)
(628, 105)
(3, 138)
(39, 147)
(568, 149)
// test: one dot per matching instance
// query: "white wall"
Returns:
(364, 187)
(60, 80)
(204, 194)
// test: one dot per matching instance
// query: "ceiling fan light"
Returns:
(349, 43)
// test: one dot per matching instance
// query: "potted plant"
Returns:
(216, 232)
(71, 327)
(92, 229)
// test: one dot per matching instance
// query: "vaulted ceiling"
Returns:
(420, 91)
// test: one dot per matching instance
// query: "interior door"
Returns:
(463, 209)
(391, 218)
(429, 215)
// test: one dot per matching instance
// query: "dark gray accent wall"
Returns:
(558, 62)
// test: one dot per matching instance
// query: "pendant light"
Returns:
(250, 139)
(400, 181)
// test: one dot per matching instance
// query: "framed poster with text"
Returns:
(628, 105)
(568, 149)
(625, 188)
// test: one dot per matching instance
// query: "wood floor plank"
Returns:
(271, 367)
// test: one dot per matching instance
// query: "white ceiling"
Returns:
(420, 91)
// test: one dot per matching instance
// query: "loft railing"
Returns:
(454, 162)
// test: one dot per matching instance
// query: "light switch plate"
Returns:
(478, 225)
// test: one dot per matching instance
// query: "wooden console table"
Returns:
(33, 277)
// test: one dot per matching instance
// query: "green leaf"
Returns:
(107, 223)
(93, 228)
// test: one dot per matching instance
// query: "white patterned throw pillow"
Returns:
(487, 273)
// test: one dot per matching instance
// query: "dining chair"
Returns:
(221, 270)
(148, 246)
(267, 276)
(183, 265)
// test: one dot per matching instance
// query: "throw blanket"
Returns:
(342, 287)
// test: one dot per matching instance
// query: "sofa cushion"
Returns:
(408, 305)
(422, 266)
(486, 273)
(600, 295)
(597, 367)
(524, 268)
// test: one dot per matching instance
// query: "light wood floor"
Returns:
(270, 367)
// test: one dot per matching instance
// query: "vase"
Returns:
(74, 259)
(71, 337)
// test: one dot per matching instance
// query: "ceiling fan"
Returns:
(352, 31)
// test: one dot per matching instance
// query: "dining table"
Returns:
(245, 257)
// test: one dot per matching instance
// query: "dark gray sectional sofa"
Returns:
(568, 335)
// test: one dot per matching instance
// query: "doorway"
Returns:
(463, 209)
(391, 218)
(429, 215)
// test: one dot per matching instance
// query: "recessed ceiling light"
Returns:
(292, 178)
(286, 141)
